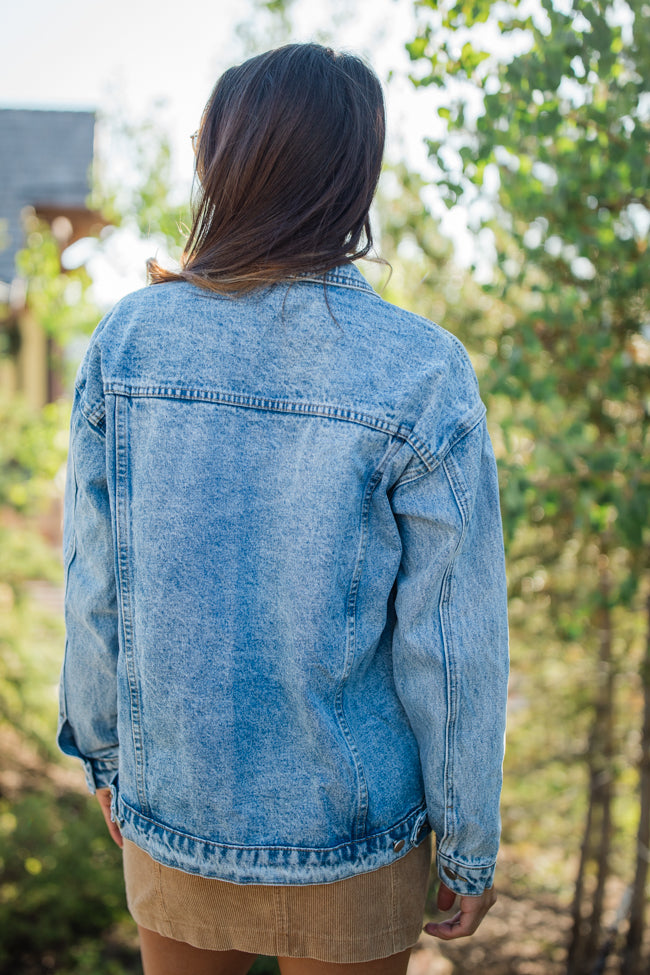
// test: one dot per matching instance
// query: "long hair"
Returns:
(288, 158)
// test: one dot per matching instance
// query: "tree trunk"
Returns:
(596, 846)
(632, 962)
(576, 952)
(604, 721)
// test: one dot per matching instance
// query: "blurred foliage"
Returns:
(567, 371)
(271, 25)
(560, 342)
(52, 899)
(60, 302)
(32, 455)
(550, 571)
(32, 451)
(551, 127)
(563, 129)
(140, 196)
(61, 889)
(31, 637)
(62, 905)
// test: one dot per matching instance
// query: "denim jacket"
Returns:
(286, 646)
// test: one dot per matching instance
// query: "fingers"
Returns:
(104, 800)
(114, 830)
(466, 921)
(446, 898)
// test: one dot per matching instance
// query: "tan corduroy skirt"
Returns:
(371, 915)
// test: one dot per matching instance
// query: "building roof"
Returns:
(45, 159)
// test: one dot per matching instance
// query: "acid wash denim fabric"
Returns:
(285, 585)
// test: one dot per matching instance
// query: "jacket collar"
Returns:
(345, 276)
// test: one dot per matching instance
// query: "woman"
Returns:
(286, 654)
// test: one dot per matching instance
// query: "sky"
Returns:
(161, 60)
(85, 54)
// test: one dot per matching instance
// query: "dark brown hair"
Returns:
(288, 158)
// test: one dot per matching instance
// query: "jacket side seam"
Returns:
(68, 559)
(71, 546)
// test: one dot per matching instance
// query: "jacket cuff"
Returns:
(464, 880)
(99, 773)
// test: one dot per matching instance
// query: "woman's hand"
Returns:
(104, 800)
(465, 922)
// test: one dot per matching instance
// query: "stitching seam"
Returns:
(195, 394)
(453, 479)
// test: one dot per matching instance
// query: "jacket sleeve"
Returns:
(450, 650)
(87, 693)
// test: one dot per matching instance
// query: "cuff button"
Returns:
(450, 873)
(398, 845)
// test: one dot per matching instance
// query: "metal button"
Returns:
(398, 845)
(450, 873)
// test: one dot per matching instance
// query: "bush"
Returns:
(61, 882)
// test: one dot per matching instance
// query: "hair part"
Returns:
(288, 158)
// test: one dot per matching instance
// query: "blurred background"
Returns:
(514, 208)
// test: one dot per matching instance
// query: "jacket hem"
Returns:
(271, 864)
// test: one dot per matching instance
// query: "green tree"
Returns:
(32, 455)
(141, 198)
(556, 138)
(54, 911)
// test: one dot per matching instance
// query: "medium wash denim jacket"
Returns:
(286, 619)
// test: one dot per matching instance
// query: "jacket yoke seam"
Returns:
(274, 405)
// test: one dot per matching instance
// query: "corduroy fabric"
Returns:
(368, 916)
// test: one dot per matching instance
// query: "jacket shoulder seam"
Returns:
(465, 428)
